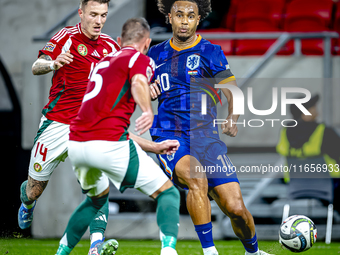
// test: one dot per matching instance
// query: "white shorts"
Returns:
(49, 149)
(123, 162)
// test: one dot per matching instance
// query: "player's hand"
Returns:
(154, 89)
(229, 128)
(167, 147)
(144, 122)
(63, 59)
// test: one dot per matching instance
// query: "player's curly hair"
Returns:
(84, 2)
(204, 7)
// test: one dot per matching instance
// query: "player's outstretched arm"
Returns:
(165, 147)
(44, 64)
(141, 94)
(229, 128)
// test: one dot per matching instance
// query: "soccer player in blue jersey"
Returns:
(187, 67)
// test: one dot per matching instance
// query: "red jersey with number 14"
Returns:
(108, 103)
(69, 82)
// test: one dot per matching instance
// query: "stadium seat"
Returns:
(308, 16)
(227, 45)
(336, 26)
(257, 16)
(229, 18)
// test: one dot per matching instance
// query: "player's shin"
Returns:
(23, 196)
(80, 220)
(99, 223)
(168, 216)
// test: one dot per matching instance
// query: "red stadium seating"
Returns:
(308, 16)
(229, 19)
(227, 45)
(336, 42)
(257, 16)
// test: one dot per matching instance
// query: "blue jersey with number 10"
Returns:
(185, 76)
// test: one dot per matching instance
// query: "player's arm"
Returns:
(164, 147)
(141, 94)
(44, 64)
(228, 128)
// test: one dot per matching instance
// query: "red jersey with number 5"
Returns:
(108, 103)
(69, 82)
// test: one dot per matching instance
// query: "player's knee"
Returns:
(198, 185)
(237, 212)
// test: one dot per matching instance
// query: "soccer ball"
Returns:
(297, 233)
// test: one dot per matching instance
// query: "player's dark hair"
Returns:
(204, 7)
(83, 3)
(134, 30)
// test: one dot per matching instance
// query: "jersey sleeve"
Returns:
(54, 46)
(220, 67)
(142, 65)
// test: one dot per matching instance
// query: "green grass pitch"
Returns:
(147, 247)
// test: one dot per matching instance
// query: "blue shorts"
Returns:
(210, 152)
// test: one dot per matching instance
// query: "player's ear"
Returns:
(169, 17)
(198, 19)
(119, 41)
(80, 12)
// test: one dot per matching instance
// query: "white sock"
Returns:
(168, 251)
(210, 250)
(255, 253)
(96, 236)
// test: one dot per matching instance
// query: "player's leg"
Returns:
(167, 212)
(95, 205)
(79, 222)
(229, 198)
(225, 190)
(182, 168)
(49, 149)
(151, 180)
(198, 203)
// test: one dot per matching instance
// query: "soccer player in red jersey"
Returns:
(100, 143)
(71, 54)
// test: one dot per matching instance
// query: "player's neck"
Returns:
(184, 44)
(88, 35)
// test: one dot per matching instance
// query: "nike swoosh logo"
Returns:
(206, 232)
(159, 65)
(228, 174)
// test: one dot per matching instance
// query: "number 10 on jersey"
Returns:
(164, 80)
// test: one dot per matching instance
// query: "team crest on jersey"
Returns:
(82, 49)
(49, 47)
(37, 167)
(105, 52)
(149, 73)
(193, 61)
(171, 157)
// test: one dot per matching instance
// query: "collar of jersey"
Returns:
(199, 38)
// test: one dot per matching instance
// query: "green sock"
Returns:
(168, 216)
(81, 219)
(99, 223)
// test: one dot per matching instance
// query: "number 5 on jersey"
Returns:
(97, 79)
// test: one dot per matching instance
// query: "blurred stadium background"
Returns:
(251, 33)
